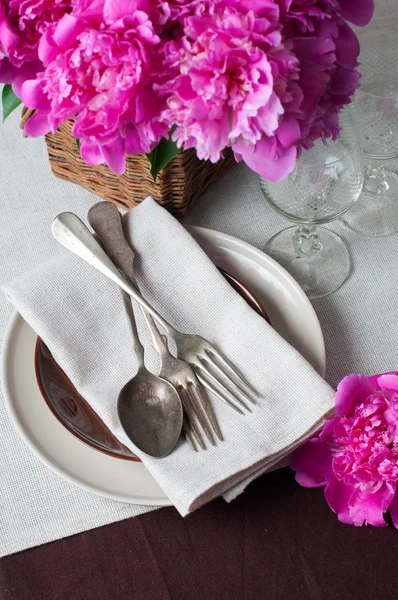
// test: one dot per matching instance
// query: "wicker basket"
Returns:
(177, 186)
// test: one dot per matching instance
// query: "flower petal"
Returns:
(289, 132)
(117, 9)
(394, 510)
(388, 381)
(59, 37)
(38, 124)
(8, 37)
(115, 156)
(347, 47)
(358, 12)
(352, 390)
(338, 496)
(26, 72)
(368, 506)
(313, 463)
(66, 31)
(328, 427)
(7, 71)
(31, 94)
(91, 154)
(133, 141)
(264, 160)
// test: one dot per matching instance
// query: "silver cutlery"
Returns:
(105, 219)
(212, 369)
(149, 407)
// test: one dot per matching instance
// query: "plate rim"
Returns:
(16, 317)
(13, 414)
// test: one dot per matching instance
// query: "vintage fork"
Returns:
(222, 378)
(106, 221)
(195, 403)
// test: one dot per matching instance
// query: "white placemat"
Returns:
(360, 321)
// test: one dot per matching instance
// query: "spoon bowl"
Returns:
(150, 413)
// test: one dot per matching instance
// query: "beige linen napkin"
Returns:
(81, 317)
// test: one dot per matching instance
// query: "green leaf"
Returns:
(78, 143)
(9, 100)
(161, 155)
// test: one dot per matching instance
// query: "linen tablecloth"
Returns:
(359, 322)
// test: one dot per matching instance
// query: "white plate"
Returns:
(286, 304)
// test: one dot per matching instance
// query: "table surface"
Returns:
(277, 540)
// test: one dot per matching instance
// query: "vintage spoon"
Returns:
(149, 407)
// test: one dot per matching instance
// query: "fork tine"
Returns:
(200, 412)
(240, 381)
(190, 417)
(225, 395)
(234, 385)
(196, 390)
(188, 435)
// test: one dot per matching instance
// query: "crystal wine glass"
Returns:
(376, 110)
(326, 182)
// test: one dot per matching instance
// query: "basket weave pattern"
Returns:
(177, 186)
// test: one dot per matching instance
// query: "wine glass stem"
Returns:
(306, 242)
(375, 179)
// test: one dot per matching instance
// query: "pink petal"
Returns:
(313, 463)
(58, 38)
(289, 132)
(8, 38)
(394, 510)
(388, 381)
(7, 71)
(328, 427)
(66, 31)
(93, 11)
(27, 71)
(347, 47)
(268, 163)
(338, 496)
(38, 124)
(352, 390)
(31, 94)
(368, 507)
(47, 50)
(268, 115)
(92, 155)
(117, 9)
(133, 142)
(115, 156)
(358, 12)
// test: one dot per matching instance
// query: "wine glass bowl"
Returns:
(323, 186)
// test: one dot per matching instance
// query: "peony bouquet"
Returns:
(355, 455)
(263, 77)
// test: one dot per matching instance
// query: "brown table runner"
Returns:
(277, 541)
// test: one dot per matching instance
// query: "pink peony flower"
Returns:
(98, 65)
(327, 51)
(229, 64)
(355, 455)
(266, 78)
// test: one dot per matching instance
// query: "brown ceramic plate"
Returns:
(72, 410)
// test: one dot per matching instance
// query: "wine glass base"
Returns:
(375, 215)
(321, 274)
